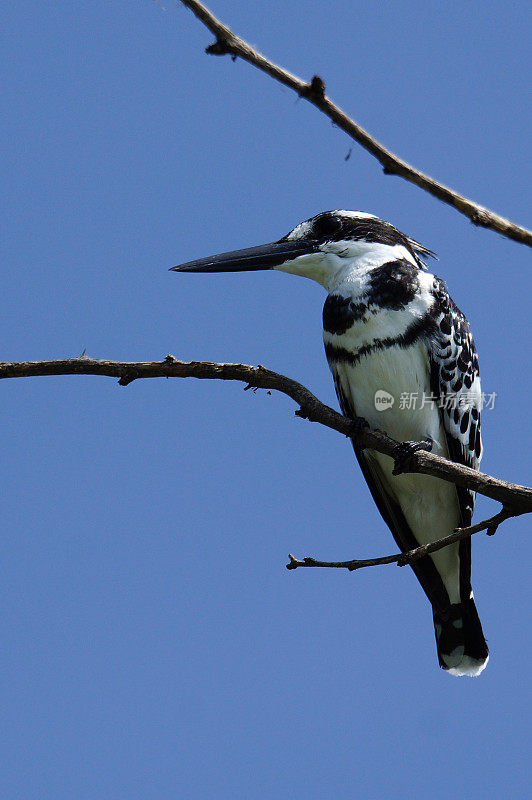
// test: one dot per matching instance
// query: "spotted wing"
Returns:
(455, 381)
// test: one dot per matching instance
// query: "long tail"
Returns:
(462, 648)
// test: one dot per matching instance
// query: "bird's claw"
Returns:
(358, 424)
(404, 450)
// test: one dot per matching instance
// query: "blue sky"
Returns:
(153, 644)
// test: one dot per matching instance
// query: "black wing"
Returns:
(455, 380)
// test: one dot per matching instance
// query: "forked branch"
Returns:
(515, 499)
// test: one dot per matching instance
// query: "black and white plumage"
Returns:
(390, 327)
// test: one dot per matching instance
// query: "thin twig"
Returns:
(227, 42)
(512, 496)
(490, 525)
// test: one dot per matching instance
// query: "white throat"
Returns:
(341, 262)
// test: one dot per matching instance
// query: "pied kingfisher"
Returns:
(391, 331)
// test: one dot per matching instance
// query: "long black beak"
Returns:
(266, 256)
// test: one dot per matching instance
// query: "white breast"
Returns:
(430, 506)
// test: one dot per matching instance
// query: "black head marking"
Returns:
(327, 226)
(334, 226)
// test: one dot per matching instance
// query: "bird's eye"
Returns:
(326, 225)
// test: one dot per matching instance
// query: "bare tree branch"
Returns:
(228, 42)
(513, 497)
(490, 525)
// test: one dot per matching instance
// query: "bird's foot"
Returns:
(404, 450)
(358, 424)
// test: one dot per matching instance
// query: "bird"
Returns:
(392, 333)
